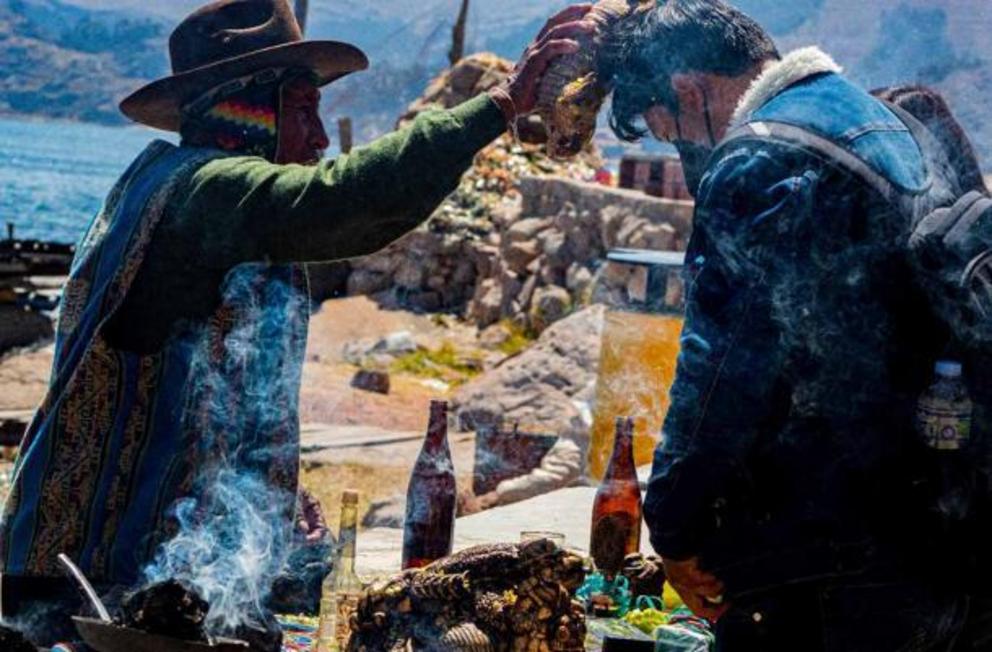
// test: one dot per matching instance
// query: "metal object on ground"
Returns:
(77, 575)
(108, 637)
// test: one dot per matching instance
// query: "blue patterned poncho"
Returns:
(126, 449)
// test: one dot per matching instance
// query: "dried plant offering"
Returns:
(571, 93)
(342, 588)
(617, 509)
(491, 598)
(429, 528)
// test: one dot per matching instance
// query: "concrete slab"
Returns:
(568, 511)
(372, 446)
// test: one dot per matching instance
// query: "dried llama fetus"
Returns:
(571, 95)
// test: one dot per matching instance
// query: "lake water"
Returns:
(54, 175)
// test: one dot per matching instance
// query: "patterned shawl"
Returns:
(122, 439)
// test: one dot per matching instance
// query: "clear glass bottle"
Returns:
(342, 587)
(943, 417)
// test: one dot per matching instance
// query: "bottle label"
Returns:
(335, 620)
(613, 538)
(944, 427)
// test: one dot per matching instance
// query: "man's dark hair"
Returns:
(640, 56)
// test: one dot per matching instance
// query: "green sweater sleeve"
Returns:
(245, 209)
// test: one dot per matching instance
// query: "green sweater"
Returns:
(245, 209)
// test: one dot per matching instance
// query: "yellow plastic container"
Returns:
(640, 347)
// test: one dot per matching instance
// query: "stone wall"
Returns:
(549, 196)
(550, 249)
(531, 259)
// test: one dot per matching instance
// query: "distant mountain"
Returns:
(75, 58)
(62, 61)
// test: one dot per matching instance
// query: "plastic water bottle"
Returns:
(944, 411)
(943, 416)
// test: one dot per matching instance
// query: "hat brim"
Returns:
(159, 104)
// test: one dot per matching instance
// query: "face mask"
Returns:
(694, 159)
(695, 156)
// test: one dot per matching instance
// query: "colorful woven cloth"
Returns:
(122, 438)
(299, 633)
(244, 121)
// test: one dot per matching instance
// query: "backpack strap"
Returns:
(912, 204)
(823, 147)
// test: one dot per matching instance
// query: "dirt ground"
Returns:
(326, 396)
(372, 483)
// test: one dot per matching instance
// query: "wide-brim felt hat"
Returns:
(230, 40)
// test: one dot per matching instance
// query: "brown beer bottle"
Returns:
(616, 512)
(431, 496)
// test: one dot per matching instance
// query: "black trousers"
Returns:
(845, 616)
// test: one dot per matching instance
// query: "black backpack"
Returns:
(950, 248)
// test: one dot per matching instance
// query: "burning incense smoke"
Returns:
(235, 526)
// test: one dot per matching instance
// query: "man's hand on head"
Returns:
(517, 97)
(702, 592)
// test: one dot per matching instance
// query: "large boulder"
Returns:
(546, 389)
(21, 328)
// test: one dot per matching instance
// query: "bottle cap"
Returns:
(350, 497)
(948, 369)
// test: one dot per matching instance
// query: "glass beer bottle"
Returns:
(431, 496)
(617, 510)
(342, 587)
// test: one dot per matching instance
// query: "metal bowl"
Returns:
(108, 637)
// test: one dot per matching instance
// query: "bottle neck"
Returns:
(347, 534)
(622, 462)
(436, 442)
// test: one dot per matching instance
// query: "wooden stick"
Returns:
(345, 135)
(301, 14)
(458, 35)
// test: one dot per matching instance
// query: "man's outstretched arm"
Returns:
(248, 210)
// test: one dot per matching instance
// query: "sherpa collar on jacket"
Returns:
(779, 75)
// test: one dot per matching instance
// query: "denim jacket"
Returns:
(789, 452)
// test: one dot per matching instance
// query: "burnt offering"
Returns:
(498, 598)
(168, 609)
(13, 641)
(172, 610)
(261, 632)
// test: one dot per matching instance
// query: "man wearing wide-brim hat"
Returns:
(183, 324)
